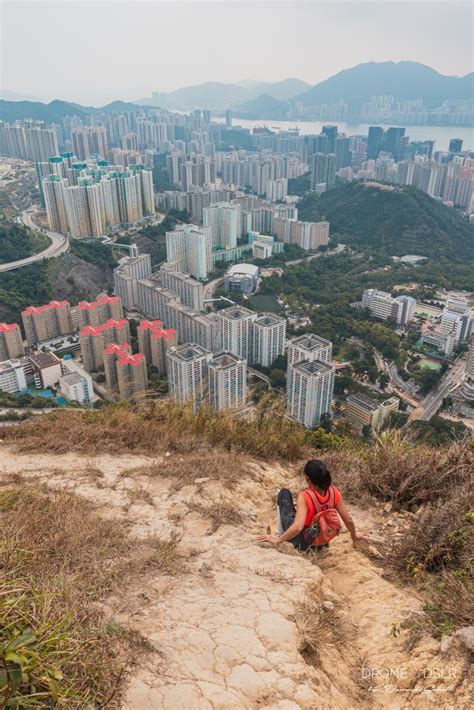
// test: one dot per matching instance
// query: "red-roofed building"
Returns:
(46, 322)
(11, 342)
(126, 371)
(94, 340)
(154, 341)
(98, 312)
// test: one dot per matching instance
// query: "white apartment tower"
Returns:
(224, 221)
(188, 374)
(309, 388)
(236, 331)
(309, 347)
(191, 247)
(227, 382)
(269, 332)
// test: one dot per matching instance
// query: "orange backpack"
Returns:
(325, 523)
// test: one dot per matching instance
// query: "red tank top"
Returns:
(322, 499)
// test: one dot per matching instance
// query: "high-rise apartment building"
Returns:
(309, 347)
(52, 188)
(188, 374)
(310, 386)
(127, 275)
(11, 342)
(125, 371)
(468, 387)
(90, 140)
(227, 375)
(365, 411)
(99, 311)
(236, 331)
(154, 341)
(46, 322)
(189, 290)
(191, 248)
(224, 220)
(28, 140)
(323, 170)
(94, 340)
(269, 333)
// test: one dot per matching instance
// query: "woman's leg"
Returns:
(286, 516)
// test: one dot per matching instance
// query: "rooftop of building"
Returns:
(42, 360)
(133, 360)
(315, 367)
(108, 325)
(8, 327)
(268, 319)
(150, 325)
(36, 310)
(73, 378)
(363, 402)
(9, 365)
(310, 341)
(117, 349)
(102, 301)
(189, 351)
(225, 361)
(246, 269)
(236, 313)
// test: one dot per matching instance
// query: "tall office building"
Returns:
(127, 275)
(343, 152)
(99, 311)
(11, 342)
(224, 220)
(393, 142)
(188, 374)
(309, 347)
(331, 133)
(310, 387)
(125, 371)
(154, 341)
(455, 145)
(191, 248)
(228, 118)
(46, 322)
(323, 170)
(94, 340)
(236, 331)
(374, 142)
(227, 375)
(269, 333)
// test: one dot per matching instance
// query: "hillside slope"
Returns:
(234, 624)
(392, 221)
(403, 80)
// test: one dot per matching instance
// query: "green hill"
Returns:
(392, 221)
(16, 242)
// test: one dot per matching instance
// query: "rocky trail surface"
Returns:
(244, 625)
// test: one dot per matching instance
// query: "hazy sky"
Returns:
(95, 51)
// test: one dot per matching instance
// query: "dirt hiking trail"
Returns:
(245, 625)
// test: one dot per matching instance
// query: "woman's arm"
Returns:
(348, 522)
(295, 528)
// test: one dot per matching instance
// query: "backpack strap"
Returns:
(317, 505)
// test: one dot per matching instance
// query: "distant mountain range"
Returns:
(403, 80)
(217, 96)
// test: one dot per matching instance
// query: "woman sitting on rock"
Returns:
(315, 521)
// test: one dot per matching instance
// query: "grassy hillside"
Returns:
(76, 275)
(392, 222)
(16, 242)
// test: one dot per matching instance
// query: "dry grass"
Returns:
(158, 426)
(140, 495)
(58, 559)
(217, 513)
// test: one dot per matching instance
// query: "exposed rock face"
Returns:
(246, 625)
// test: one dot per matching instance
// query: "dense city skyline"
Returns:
(143, 64)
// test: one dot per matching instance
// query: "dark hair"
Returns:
(318, 474)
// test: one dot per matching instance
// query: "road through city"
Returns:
(59, 243)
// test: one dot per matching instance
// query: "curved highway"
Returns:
(59, 243)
